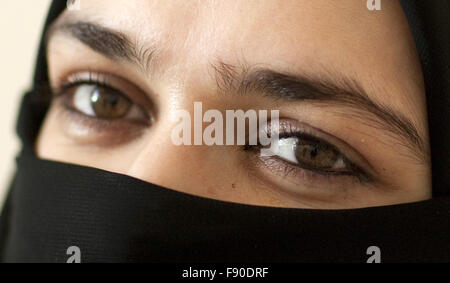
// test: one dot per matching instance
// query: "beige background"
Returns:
(21, 24)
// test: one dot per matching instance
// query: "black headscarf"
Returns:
(115, 218)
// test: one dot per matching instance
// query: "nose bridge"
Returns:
(185, 167)
(160, 161)
(185, 78)
(156, 154)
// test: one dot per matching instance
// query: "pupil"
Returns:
(314, 152)
(112, 99)
(109, 105)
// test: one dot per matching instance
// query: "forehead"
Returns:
(290, 27)
(289, 35)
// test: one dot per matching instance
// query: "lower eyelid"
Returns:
(278, 165)
(271, 168)
(299, 184)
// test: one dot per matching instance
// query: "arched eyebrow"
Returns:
(333, 91)
(110, 43)
(342, 92)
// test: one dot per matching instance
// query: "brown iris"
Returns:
(315, 154)
(109, 104)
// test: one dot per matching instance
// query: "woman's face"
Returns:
(346, 81)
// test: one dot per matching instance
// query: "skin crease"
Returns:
(318, 38)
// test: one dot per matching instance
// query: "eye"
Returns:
(101, 109)
(104, 103)
(308, 155)
(311, 153)
(104, 99)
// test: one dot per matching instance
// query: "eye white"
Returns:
(287, 147)
(82, 99)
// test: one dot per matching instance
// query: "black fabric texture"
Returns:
(430, 24)
(116, 218)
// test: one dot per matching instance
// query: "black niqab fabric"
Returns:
(117, 218)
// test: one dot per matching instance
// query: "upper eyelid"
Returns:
(62, 89)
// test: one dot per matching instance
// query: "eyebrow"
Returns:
(276, 85)
(112, 44)
(328, 92)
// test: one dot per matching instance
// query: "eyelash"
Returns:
(78, 80)
(285, 166)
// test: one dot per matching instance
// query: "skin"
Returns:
(317, 38)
